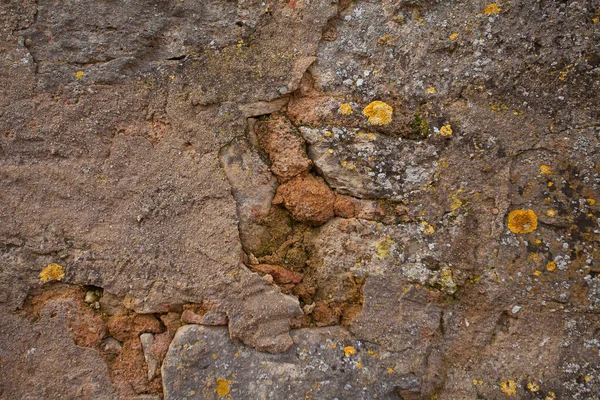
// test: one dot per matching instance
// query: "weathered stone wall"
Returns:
(299, 199)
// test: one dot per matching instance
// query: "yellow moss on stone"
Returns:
(492, 9)
(379, 113)
(53, 272)
(427, 228)
(509, 387)
(533, 387)
(522, 221)
(223, 387)
(446, 130)
(345, 109)
(383, 247)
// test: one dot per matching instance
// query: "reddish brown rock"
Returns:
(285, 147)
(345, 206)
(308, 198)
(126, 327)
(280, 275)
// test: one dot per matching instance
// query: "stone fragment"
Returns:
(315, 364)
(147, 340)
(280, 274)
(308, 198)
(284, 145)
(369, 165)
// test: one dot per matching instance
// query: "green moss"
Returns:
(420, 127)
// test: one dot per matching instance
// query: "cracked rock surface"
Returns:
(323, 199)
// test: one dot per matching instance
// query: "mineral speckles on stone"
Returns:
(522, 221)
(53, 272)
(379, 113)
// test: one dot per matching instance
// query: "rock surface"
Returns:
(202, 363)
(416, 178)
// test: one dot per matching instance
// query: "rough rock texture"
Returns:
(212, 162)
(202, 363)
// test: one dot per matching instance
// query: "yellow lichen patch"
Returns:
(551, 266)
(550, 184)
(383, 247)
(533, 387)
(587, 378)
(446, 130)
(379, 113)
(509, 387)
(345, 109)
(359, 365)
(551, 213)
(427, 228)
(522, 221)
(79, 74)
(492, 9)
(349, 351)
(551, 396)
(477, 382)
(215, 357)
(591, 201)
(430, 90)
(454, 36)
(53, 272)
(390, 371)
(223, 387)
(537, 272)
(370, 135)
(544, 170)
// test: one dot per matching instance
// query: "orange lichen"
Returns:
(533, 387)
(537, 273)
(454, 36)
(446, 130)
(522, 221)
(591, 201)
(349, 351)
(551, 213)
(53, 272)
(223, 387)
(379, 113)
(509, 387)
(345, 109)
(79, 74)
(492, 9)
(551, 266)
(544, 170)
